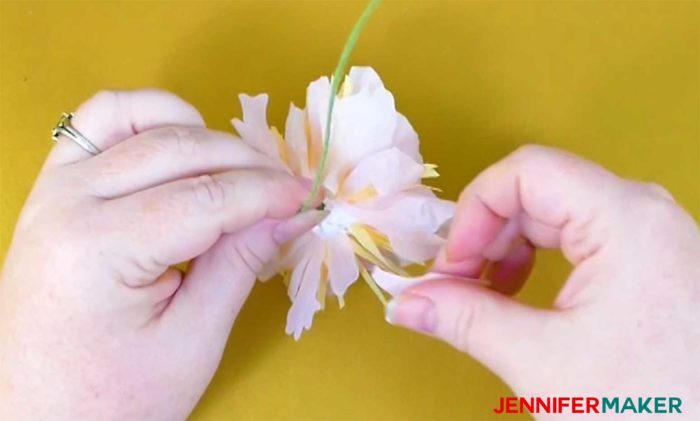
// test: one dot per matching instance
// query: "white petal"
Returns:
(415, 246)
(254, 129)
(342, 264)
(364, 78)
(388, 171)
(392, 283)
(413, 210)
(317, 95)
(296, 257)
(297, 143)
(305, 281)
(396, 284)
(363, 123)
(269, 270)
(406, 139)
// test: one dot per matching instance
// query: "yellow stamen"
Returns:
(430, 171)
(372, 285)
(281, 146)
(347, 87)
(286, 277)
(323, 287)
(380, 239)
(366, 248)
(362, 195)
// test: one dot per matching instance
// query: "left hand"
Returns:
(94, 321)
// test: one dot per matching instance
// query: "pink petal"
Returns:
(406, 139)
(303, 289)
(317, 95)
(297, 255)
(415, 246)
(396, 284)
(295, 138)
(365, 78)
(363, 123)
(269, 270)
(342, 264)
(254, 129)
(412, 210)
(388, 171)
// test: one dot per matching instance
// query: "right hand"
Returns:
(625, 324)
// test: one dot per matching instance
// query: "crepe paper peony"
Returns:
(363, 155)
(380, 213)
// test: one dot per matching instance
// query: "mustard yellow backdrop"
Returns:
(617, 82)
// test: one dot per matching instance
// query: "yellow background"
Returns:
(616, 82)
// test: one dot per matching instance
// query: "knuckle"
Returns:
(657, 207)
(164, 93)
(532, 158)
(466, 195)
(271, 180)
(651, 202)
(105, 97)
(100, 104)
(248, 256)
(659, 190)
(530, 151)
(209, 192)
(183, 139)
(138, 271)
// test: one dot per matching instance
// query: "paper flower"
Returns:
(381, 215)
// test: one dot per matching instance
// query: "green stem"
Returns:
(335, 86)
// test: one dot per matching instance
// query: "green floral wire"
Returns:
(335, 86)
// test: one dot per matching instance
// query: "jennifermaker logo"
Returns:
(588, 405)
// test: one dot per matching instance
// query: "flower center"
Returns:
(337, 222)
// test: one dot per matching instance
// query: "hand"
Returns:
(94, 321)
(625, 324)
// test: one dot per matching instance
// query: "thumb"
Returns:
(503, 334)
(220, 280)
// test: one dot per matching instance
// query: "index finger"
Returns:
(177, 221)
(110, 117)
(553, 198)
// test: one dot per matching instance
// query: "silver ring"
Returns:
(65, 128)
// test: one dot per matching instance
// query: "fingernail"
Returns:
(466, 268)
(413, 312)
(297, 225)
(443, 276)
(453, 254)
(451, 250)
